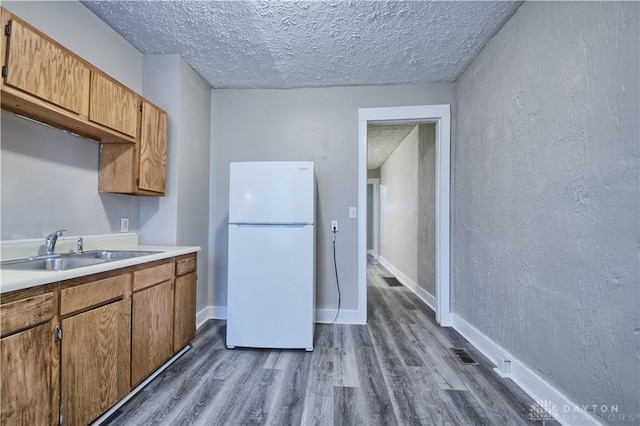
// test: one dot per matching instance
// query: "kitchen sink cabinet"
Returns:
(96, 345)
(152, 320)
(28, 358)
(95, 361)
(184, 324)
(112, 104)
(138, 169)
(77, 347)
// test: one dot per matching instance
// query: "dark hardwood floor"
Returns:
(396, 370)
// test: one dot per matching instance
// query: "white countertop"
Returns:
(11, 280)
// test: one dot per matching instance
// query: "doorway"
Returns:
(439, 115)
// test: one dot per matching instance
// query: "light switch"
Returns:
(124, 224)
(353, 212)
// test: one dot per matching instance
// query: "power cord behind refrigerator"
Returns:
(335, 268)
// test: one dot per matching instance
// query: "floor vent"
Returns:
(464, 356)
(392, 281)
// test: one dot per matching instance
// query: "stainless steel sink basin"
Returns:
(50, 263)
(113, 254)
(61, 262)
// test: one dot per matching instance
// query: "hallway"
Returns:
(397, 369)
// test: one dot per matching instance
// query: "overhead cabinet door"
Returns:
(113, 105)
(153, 149)
(38, 66)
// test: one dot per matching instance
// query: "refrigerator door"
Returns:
(271, 192)
(270, 298)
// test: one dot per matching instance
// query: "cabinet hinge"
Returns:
(58, 333)
(140, 107)
(7, 29)
(137, 182)
(5, 71)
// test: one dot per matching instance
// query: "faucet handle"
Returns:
(56, 234)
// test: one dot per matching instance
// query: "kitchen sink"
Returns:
(61, 262)
(113, 254)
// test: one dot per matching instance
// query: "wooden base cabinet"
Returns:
(28, 356)
(26, 377)
(184, 311)
(69, 351)
(95, 361)
(152, 320)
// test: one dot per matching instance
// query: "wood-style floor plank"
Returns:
(396, 369)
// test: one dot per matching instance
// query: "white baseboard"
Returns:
(423, 294)
(346, 316)
(568, 412)
(210, 312)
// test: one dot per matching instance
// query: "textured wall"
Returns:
(427, 208)
(546, 196)
(399, 207)
(302, 124)
(50, 178)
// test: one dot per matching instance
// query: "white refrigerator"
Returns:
(271, 275)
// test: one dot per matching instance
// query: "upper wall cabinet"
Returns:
(153, 148)
(112, 104)
(45, 81)
(138, 169)
(39, 67)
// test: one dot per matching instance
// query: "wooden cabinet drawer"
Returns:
(186, 264)
(26, 313)
(84, 296)
(153, 275)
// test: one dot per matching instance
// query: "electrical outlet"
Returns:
(334, 226)
(124, 224)
(353, 212)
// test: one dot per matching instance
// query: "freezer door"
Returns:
(271, 286)
(271, 192)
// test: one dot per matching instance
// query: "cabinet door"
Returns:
(153, 149)
(95, 361)
(152, 330)
(113, 105)
(25, 385)
(184, 322)
(38, 66)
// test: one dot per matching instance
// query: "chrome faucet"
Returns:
(51, 240)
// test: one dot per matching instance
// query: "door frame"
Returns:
(441, 116)
(375, 218)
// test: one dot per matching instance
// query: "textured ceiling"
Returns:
(382, 139)
(287, 44)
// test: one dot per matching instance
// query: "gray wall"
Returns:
(370, 187)
(50, 178)
(302, 124)
(546, 196)
(408, 210)
(427, 208)
(399, 207)
(182, 216)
